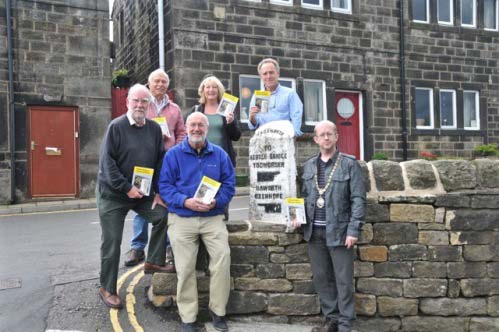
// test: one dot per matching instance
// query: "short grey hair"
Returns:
(138, 87)
(325, 122)
(158, 72)
(193, 114)
(269, 60)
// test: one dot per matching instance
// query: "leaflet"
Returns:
(142, 179)
(207, 189)
(295, 210)
(161, 120)
(227, 104)
(262, 99)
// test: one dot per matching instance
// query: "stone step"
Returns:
(260, 327)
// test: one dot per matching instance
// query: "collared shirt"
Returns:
(320, 213)
(132, 121)
(284, 104)
(159, 106)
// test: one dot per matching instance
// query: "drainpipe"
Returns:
(12, 131)
(161, 35)
(402, 82)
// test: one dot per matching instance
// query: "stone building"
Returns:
(398, 77)
(55, 104)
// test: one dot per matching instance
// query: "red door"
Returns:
(53, 151)
(348, 122)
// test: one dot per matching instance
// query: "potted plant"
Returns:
(120, 78)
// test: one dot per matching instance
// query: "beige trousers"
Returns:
(184, 234)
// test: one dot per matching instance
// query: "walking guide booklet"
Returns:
(142, 179)
(262, 98)
(161, 120)
(207, 189)
(295, 210)
(227, 104)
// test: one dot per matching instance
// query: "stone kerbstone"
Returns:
(412, 213)
(414, 288)
(270, 271)
(298, 271)
(482, 324)
(435, 238)
(477, 253)
(297, 253)
(373, 253)
(253, 238)
(454, 288)
(471, 220)
(377, 212)
(432, 324)
(246, 302)
(485, 202)
(453, 307)
(259, 226)
(365, 304)
(493, 270)
(493, 306)
(389, 233)
(453, 201)
(456, 174)
(363, 269)
(460, 238)
(420, 174)
(479, 287)
(393, 270)
(380, 286)
(445, 253)
(397, 306)
(371, 324)
(303, 287)
(460, 270)
(408, 252)
(387, 175)
(249, 254)
(293, 304)
(242, 270)
(487, 172)
(289, 238)
(366, 235)
(429, 270)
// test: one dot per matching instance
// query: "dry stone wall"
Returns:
(427, 259)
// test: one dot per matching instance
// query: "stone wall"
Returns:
(427, 259)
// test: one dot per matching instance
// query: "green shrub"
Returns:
(379, 156)
(487, 150)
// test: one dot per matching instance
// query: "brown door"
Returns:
(347, 122)
(53, 151)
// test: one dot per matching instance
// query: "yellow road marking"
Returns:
(113, 313)
(130, 302)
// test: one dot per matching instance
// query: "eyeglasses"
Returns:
(324, 135)
(139, 101)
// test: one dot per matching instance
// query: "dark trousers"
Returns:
(332, 269)
(112, 213)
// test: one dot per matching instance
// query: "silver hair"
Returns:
(156, 72)
(269, 60)
(138, 87)
(197, 114)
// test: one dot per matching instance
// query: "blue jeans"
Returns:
(141, 233)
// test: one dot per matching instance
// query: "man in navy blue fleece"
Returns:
(191, 220)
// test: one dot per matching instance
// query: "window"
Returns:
(471, 110)
(341, 6)
(247, 85)
(282, 2)
(313, 4)
(314, 104)
(121, 28)
(468, 13)
(421, 11)
(287, 82)
(424, 108)
(445, 12)
(448, 109)
(490, 14)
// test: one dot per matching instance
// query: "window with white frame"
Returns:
(282, 2)
(424, 108)
(448, 109)
(490, 14)
(313, 4)
(314, 101)
(341, 6)
(287, 82)
(445, 12)
(471, 110)
(421, 11)
(468, 13)
(247, 86)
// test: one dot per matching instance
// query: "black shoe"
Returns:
(219, 322)
(134, 257)
(188, 327)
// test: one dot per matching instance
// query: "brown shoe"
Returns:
(150, 268)
(111, 300)
(134, 257)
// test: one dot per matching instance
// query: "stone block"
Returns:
(483, 324)
(435, 238)
(303, 287)
(298, 271)
(453, 289)
(478, 253)
(366, 235)
(453, 307)
(432, 324)
(164, 283)
(234, 226)
(408, 252)
(380, 286)
(429, 270)
(453, 201)
(440, 215)
(420, 174)
(364, 324)
(456, 174)
(493, 270)
(397, 306)
(393, 270)
(253, 238)
(249, 255)
(267, 285)
(479, 287)
(412, 213)
(415, 288)
(470, 237)
(387, 175)
(362, 269)
(293, 304)
(246, 302)
(242, 270)
(297, 253)
(373, 253)
(259, 226)
(471, 220)
(289, 238)
(431, 227)
(445, 253)
(365, 304)
(460, 270)
(485, 202)
(279, 258)
(270, 271)
(365, 175)
(394, 233)
(493, 306)
(487, 171)
(377, 212)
